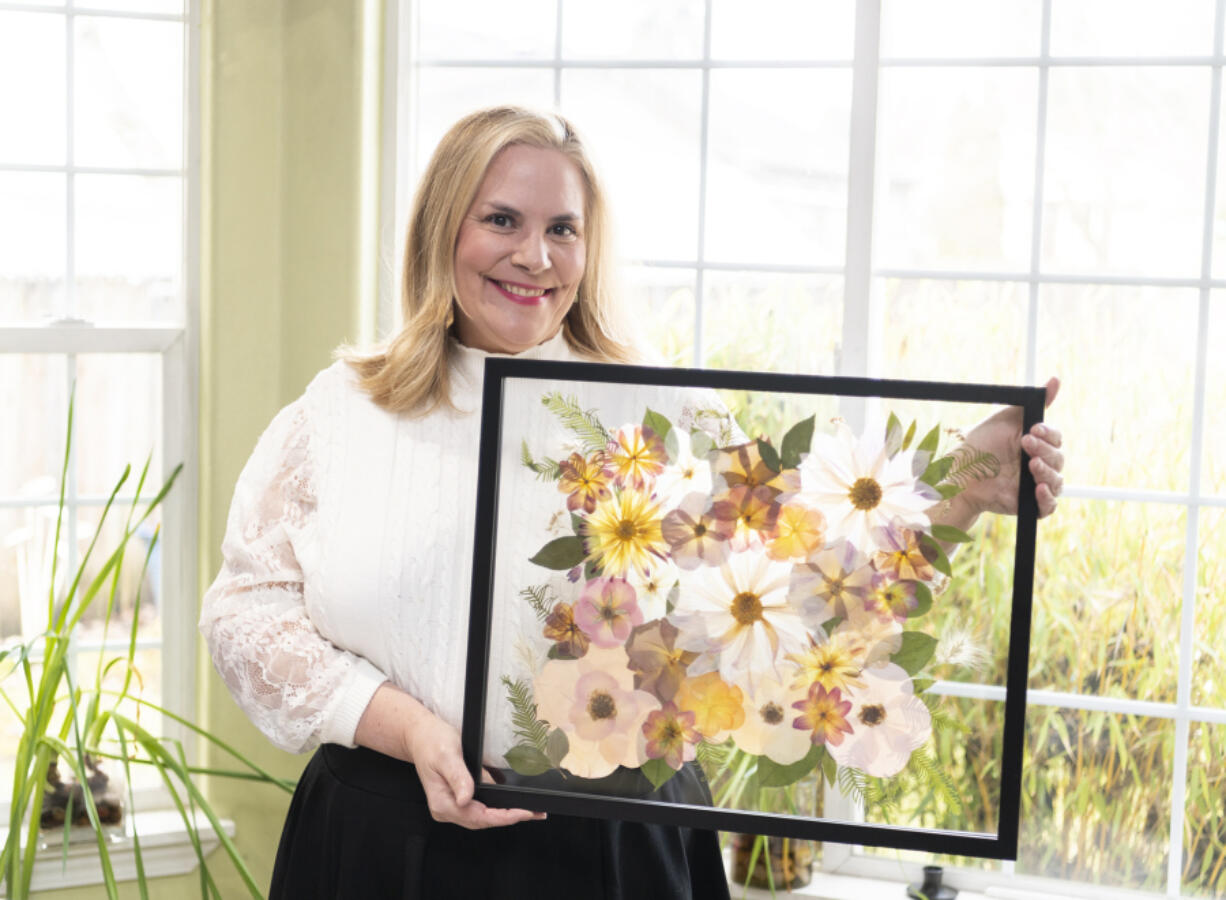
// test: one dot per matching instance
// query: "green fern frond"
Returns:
(714, 757)
(971, 464)
(539, 599)
(942, 720)
(545, 469)
(527, 727)
(584, 424)
(929, 772)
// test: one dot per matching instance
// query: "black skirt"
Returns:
(359, 827)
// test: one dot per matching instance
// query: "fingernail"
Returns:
(539, 815)
(1039, 430)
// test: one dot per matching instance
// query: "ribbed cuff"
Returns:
(361, 685)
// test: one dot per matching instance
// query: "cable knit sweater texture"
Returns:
(348, 554)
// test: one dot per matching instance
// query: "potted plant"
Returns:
(79, 740)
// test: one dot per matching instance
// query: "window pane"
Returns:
(953, 330)
(33, 233)
(772, 322)
(118, 421)
(1213, 466)
(27, 534)
(32, 88)
(138, 592)
(162, 7)
(1108, 591)
(742, 30)
(955, 168)
(960, 28)
(1096, 797)
(652, 184)
(1126, 400)
(128, 93)
(1209, 656)
(777, 166)
(129, 247)
(1204, 831)
(444, 95)
(660, 304)
(1125, 170)
(477, 29)
(33, 392)
(1131, 27)
(632, 29)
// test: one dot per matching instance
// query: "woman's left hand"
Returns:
(1001, 435)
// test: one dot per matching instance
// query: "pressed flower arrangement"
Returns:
(756, 603)
(74, 725)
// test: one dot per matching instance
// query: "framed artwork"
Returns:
(719, 599)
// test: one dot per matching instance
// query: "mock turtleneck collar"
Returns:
(468, 364)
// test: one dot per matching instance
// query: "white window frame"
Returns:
(858, 349)
(178, 347)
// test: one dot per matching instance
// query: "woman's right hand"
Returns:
(396, 724)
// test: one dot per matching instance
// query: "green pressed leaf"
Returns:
(948, 490)
(797, 442)
(657, 771)
(576, 524)
(909, 436)
(527, 760)
(916, 650)
(555, 652)
(930, 441)
(829, 768)
(935, 553)
(657, 423)
(670, 601)
(893, 435)
(560, 553)
(950, 535)
(923, 598)
(936, 470)
(671, 445)
(700, 443)
(770, 456)
(772, 774)
(556, 747)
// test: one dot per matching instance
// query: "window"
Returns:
(955, 190)
(97, 290)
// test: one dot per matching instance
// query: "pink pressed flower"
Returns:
(824, 715)
(607, 611)
(694, 535)
(671, 735)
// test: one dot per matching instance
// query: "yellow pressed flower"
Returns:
(833, 664)
(799, 530)
(623, 534)
(717, 706)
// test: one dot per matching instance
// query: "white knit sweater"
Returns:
(348, 554)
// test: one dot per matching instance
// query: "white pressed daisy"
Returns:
(738, 615)
(860, 487)
(888, 723)
(767, 730)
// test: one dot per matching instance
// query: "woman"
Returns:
(340, 615)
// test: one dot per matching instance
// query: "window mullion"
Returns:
(703, 143)
(1187, 617)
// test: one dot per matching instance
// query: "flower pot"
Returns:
(790, 861)
(63, 799)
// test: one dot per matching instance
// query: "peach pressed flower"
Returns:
(824, 715)
(636, 456)
(750, 512)
(832, 583)
(585, 481)
(671, 735)
(717, 706)
(561, 628)
(658, 664)
(743, 465)
(900, 554)
(799, 531)
(607, 610)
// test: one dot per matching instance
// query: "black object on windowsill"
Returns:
(931, 888)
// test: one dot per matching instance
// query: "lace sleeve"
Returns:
(296, 687)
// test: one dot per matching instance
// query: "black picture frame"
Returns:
(1000, 845)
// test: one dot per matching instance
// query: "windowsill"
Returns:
(825, 886)
(165, 847)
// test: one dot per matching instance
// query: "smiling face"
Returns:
(520, 252)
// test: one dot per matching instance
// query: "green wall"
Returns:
(281, 286)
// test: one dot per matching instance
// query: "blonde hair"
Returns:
(411, 372)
